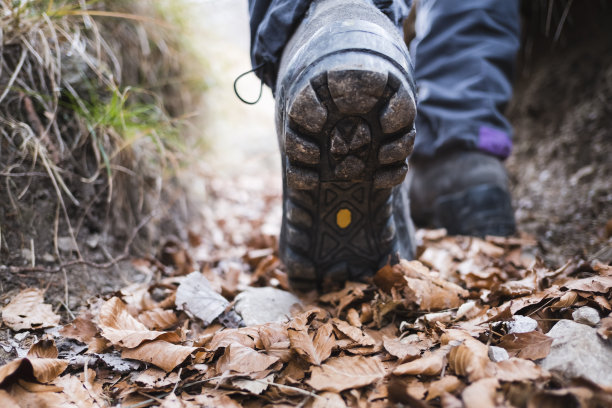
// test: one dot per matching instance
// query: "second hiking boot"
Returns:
(465, 192)
(345, 112)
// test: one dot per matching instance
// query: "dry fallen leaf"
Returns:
(239, 359)
(41, 364)
(531, 345)
(82, 328)
(518, 369)
(429, 364)
(122, 329)
(605, 328)
(481, 394)
(400, 350)
(195, 296)
(471, 359)
(429, 292)
(353, 333)
(159, 353)
(315, 347)
(156, 378)
(598, 283)
(344, 373)
(328, 400)
(6, 401)
(448, 383)
(158, 319)
(247, 336)
(27, 310)
(79, 393)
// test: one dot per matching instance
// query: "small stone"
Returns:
(67, 244)
(497, 354)
(586, 315)
(577, 351)
(264, 305)
(21, 336)
(522, 324)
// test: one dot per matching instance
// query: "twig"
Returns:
(177, 383)
(154, 398)
(289, 387)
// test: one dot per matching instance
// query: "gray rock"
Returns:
(577, 351)
(264, 305)
(497, 354)
(522, 324)
(586, 315)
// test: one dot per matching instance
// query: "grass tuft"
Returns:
(94, 97)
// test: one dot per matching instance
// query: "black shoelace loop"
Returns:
(258, 67)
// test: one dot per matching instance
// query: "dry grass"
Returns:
(93, 97)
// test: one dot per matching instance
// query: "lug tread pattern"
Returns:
(347, 139)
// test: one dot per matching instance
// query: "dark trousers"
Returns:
(464, 55)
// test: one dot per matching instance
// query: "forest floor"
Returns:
(523, 321)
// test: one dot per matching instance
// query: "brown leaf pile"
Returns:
(419, 334)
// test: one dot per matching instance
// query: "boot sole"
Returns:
(348, 130)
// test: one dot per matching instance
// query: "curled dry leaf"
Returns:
(481, 394)
(448, 383)
(158, 319)
(344, 373)
(470, 359)
(429, 364)
(239, 359)
(197, 297)
(159, 353)
(328, 400)
(567, 300)
(122, 329)
(33, 367)
(43, 349)
(315, 347)
(531, 345)
(27, 310)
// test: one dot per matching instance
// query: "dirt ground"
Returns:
(561, 167)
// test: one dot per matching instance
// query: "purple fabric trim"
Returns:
(494, 141)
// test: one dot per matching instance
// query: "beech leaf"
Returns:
(345, 373)
(531, 345)
(27, 310)
(159, 353)
(315, 347)
(122, 329)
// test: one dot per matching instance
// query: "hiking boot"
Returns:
(465, 192)
(345, 112)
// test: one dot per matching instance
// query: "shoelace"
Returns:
(258, 67)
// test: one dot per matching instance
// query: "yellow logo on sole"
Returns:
(343, 218)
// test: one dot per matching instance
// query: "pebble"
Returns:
(586, 315)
